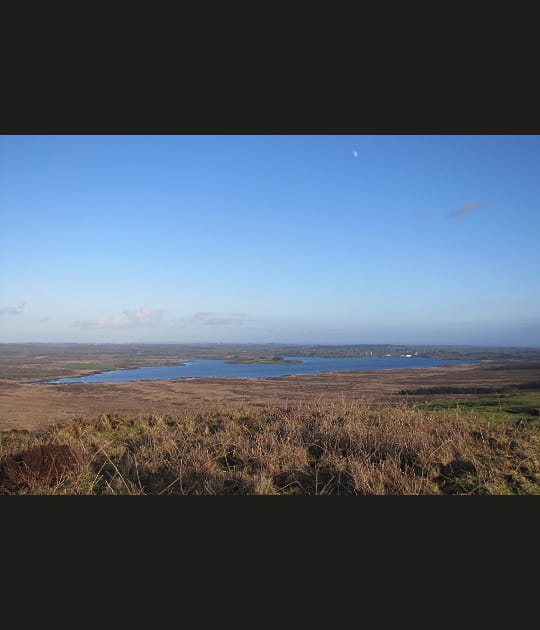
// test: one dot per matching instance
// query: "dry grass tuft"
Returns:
(346, 448)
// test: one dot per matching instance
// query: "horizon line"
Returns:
(269, 343)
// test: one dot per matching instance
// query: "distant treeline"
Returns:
(469, 390)
(513, 366)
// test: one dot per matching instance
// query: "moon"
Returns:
(355, 153)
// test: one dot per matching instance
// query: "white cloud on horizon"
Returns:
(144, 316)
(13, 310)
(214, 319)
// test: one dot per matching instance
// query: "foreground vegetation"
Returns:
(317, 449)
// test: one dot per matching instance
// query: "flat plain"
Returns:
(26, 405)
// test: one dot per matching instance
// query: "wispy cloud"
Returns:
(214, 319)
(144, 316)
(466, 209)
(13, 310)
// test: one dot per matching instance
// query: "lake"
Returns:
(206, 368)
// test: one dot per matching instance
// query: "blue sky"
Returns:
(307, 239)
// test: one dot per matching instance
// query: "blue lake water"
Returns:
(205, 368)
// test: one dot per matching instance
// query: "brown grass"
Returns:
(327, 448)
(35, 406)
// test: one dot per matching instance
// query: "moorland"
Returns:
(464, 429)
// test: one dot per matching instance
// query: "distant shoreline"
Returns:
(311, 366)
(42, 363)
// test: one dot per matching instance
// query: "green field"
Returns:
(89, 366)
(507, 407)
